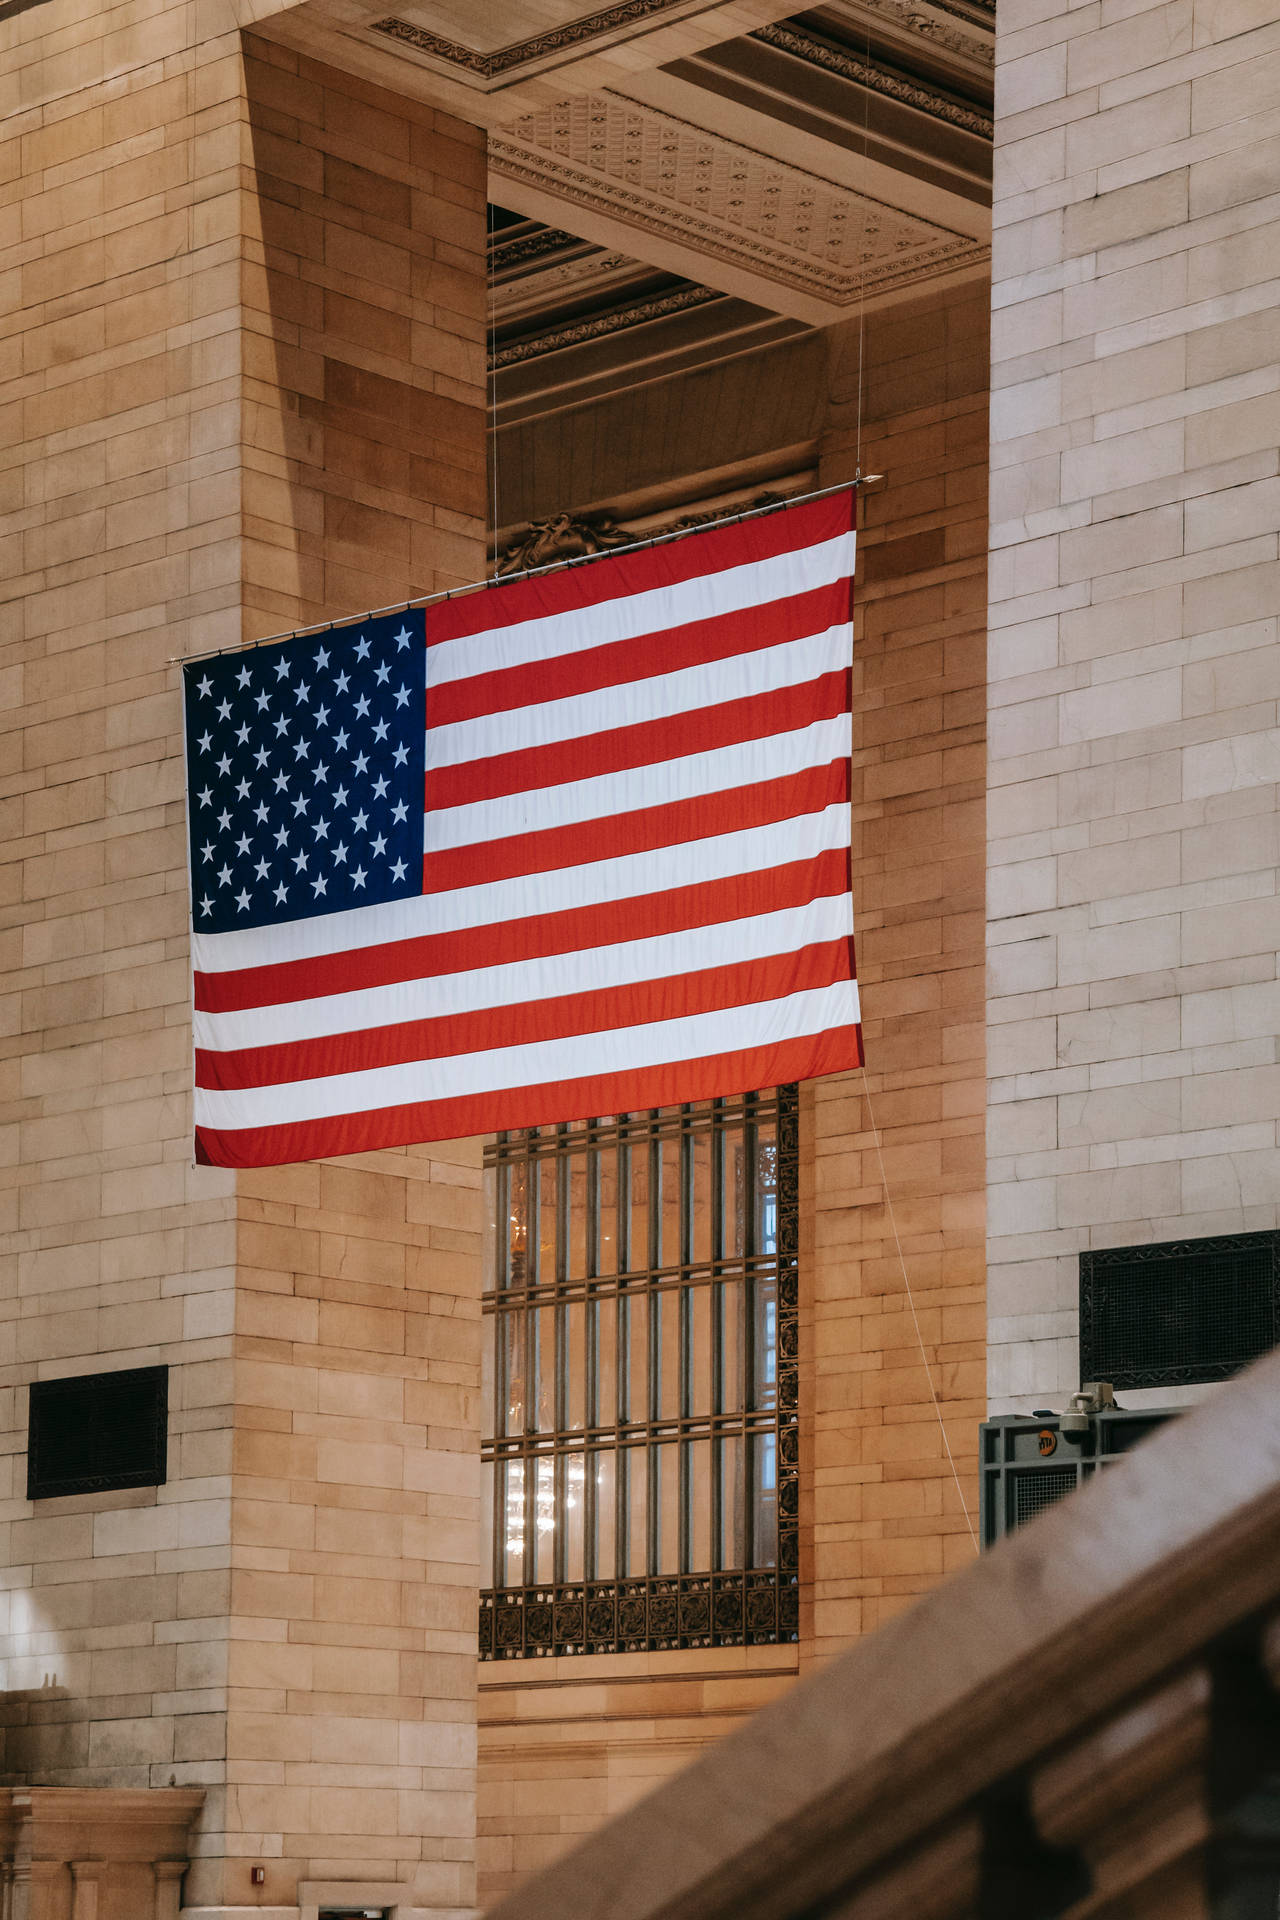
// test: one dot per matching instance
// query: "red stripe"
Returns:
(755, 717)
(721, 637)
(673, 825)
(500, 943)
(604, 1010)
(709, 551)
(809, 1058)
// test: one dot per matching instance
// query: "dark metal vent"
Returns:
(1033, 1492)
(98, 1432)
(1179, 1312)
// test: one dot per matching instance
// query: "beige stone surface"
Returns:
(240, 351)
(1133, 918)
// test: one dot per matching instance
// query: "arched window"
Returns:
(640, 1381)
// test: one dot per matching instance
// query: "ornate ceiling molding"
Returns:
(728, 202)
(490, 66)
(804, 45)
(580, 332)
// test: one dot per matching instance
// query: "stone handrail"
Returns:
(1084, 1723)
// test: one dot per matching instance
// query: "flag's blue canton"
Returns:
(305, 774)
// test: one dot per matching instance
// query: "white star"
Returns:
(224, 820)
(242, 844)
(361, 821)
(382, 674)
(224, 709)
(362, 651)
(282, 836)
(242, 901)
(242, 789)
(242, 732)
(243, 676)
(300, 805)
(340, 739)
(282, 668)
(281, 894)
(206, 851)
(402, 696)
(320, 884)
(204, 796)
(402, 639)
(380, 731)
(205, 742)
(302, 691)
(282, 726)
(399, 811)
(340, 854)
(262, 702)
(322, 658)
(260, 757)
(262, 869)
(362, 705)
(205, 687)
(342, 682)
(380, 786)
(360, 762)
(282, 783)
(379, 845)
(224, 766)
(300, 750)
(300, 862)
(322, 716)
(224, 877)
(320, 828)
(206, 905)
(359, 877)
(320, 771)
(397, 872)
(340, 797)
(401, 754)
(260, 812)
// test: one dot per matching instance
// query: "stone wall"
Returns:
(565, 1744)
(240, 349)
(1135, 510)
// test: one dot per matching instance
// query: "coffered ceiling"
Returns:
(800, 165)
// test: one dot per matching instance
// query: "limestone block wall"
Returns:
(882, 1513)
(565, 1744)
(1134, 675)
(203, 440)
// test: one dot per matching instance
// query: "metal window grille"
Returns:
(98, 1432)
(640, 1468)
(1180, 1311)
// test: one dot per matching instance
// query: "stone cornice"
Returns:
(909, 92)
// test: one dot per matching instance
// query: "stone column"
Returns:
(244, 390)
(1134, 673)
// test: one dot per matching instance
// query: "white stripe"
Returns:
(606, 796)
(606, 622)
(528, 895)
(698, 1036)
(662, 957)
(580, 716)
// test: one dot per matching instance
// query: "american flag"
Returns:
(574, 844)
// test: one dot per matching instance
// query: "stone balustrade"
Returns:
(94, 1853)
(1085, 1723)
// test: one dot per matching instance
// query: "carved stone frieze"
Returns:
(729, 202)
(910, 92)
(598, 325)
(520, 53)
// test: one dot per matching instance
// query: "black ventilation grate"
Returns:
(1179, 1312)
(97, 1433)
(1041, 1488)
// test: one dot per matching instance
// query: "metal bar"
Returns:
(528, 573)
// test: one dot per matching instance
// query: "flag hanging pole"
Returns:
(528, 573)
